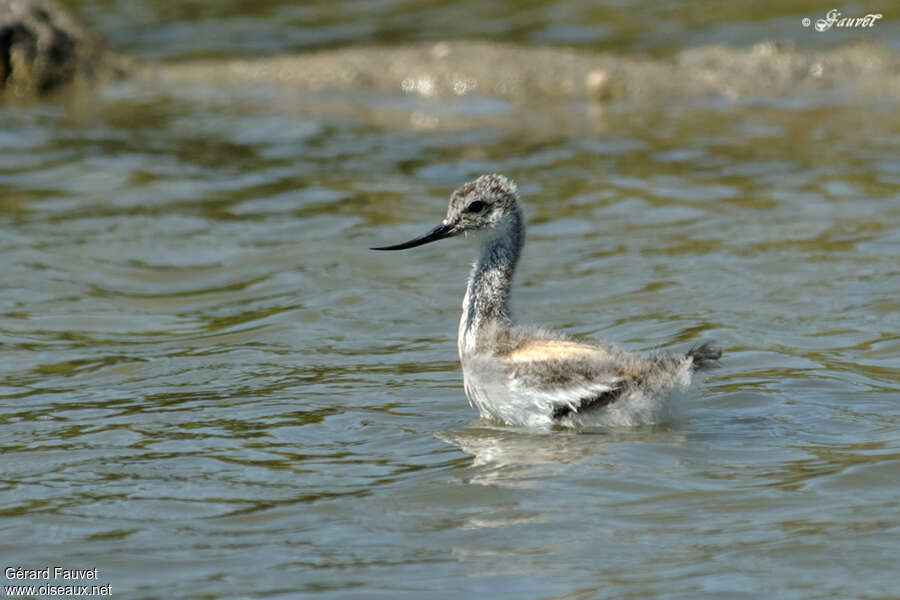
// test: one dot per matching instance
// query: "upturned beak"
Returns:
(440, 232)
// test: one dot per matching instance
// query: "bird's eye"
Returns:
(475, 207)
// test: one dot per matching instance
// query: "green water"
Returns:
(210, 388)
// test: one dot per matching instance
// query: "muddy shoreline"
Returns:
(44, 52)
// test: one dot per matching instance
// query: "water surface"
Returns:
(209, 387)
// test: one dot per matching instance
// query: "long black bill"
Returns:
(438, 233)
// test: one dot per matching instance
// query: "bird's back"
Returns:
(533, 377)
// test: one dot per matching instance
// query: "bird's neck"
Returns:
(486, 303)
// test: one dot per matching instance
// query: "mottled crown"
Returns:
(488, 186)
(484, 203)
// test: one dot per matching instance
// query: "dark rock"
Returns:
(43, 50)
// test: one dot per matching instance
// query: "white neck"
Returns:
(486, 303)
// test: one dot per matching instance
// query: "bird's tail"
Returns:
(704, 356)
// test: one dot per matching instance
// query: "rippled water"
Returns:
(211, 388)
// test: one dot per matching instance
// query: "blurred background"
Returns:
(210, 388)
(205, 29)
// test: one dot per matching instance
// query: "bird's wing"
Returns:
(551, 350)
(567, 376)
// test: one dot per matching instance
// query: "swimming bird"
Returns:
(530, 376)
